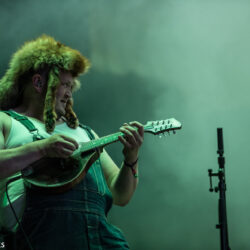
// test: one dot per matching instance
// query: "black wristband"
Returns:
(132, 164)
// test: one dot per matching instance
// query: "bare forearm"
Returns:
(15, 159)
(126, 180)
(124, 185)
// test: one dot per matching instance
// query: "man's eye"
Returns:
(68, 85)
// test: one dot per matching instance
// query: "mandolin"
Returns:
(57, 175)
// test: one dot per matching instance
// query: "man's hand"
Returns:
(132, 140)
(58, 146)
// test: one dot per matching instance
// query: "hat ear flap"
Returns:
(71, 118)
(49, 114)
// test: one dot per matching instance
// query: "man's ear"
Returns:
(38, 82)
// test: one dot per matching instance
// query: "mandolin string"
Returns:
(86, 146)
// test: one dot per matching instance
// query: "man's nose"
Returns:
(68, 94)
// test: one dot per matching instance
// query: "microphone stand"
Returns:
(222, 225)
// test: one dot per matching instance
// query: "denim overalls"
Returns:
(73, 220)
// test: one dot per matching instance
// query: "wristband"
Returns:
(132, 167)
(132, 164)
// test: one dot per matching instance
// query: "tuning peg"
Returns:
(174, 132)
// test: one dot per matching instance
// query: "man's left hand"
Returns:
(132, 140)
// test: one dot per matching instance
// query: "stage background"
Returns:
(151, 60)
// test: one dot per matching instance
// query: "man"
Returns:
(38, 85)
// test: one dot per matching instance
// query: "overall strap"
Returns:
(90, 134)
(26, 123)
(88, 130)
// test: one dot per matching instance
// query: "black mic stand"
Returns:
(222, 192)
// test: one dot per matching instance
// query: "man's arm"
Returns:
(122, 182)
(15, 159)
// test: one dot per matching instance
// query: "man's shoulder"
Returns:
(5, 124)
(5, 120)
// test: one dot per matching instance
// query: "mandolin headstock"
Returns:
(161, 126)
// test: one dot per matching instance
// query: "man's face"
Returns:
(64, 92)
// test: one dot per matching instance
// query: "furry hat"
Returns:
(43, 52)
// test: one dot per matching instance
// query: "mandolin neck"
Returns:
(157, 127)
(100, 142)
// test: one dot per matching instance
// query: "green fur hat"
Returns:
(43, 52)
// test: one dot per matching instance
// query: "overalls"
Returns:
(73, 220)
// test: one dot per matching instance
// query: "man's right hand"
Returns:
(58, 146)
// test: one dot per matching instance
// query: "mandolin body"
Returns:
(57, 175)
